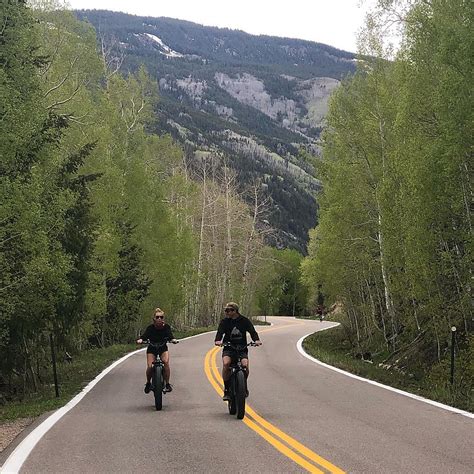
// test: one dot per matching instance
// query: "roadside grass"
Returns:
(330, 347)
(73, 377)
(187, 332)
(327, 346)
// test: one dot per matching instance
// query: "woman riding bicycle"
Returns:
(158, 333)
(233, 328)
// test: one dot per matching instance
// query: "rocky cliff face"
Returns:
(259, 101)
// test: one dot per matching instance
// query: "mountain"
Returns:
(259, 101)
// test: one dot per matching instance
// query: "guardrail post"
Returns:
(453, 343)
(53, 360)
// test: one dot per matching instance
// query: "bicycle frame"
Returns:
(157, 376)
(237, 383)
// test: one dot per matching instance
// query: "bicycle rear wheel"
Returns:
(240, 394)
(158, 386)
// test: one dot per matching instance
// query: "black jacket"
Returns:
(235, 330)
(158, 335)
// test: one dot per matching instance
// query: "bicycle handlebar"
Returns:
(239, 346)
(158, 344)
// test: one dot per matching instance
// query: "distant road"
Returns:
(301, 417)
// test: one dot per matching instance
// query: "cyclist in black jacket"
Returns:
(233, 328)
(158, 332)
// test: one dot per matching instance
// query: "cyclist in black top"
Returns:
(158, 332)
(233, 328)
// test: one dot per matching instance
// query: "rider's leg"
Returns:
(150, 358)
(245, 365)
(226, 372)
(226, 361)
(165, 357)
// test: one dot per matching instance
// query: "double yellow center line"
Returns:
(284, 443)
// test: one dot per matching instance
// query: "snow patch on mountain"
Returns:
(167, 51)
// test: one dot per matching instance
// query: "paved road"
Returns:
(351, 425)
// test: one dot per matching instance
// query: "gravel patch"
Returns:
(9, 430)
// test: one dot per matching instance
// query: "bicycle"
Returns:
(157, 378)
(237, 382)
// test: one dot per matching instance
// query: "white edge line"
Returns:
(299, 346)
(16, 459)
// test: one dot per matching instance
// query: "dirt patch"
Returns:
(9, 430)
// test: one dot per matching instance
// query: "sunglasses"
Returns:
(159, 317)
(229, 310)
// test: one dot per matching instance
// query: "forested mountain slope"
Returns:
(255, 102)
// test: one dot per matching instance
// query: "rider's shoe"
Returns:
(226, 397)
(168, 388)
(147, 387)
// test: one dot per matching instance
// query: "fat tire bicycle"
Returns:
(237, 381)
(157, 375)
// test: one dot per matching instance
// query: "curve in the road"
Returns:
(293, 449)
(299, 346)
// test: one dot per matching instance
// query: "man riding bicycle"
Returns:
(233, 328)
(158, 333)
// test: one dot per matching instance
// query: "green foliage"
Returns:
(101, 222)
(280, 291)
(394, 241)
(34, 198)
(20, 121)
(73, 377)
(334, 348)
(460, 392)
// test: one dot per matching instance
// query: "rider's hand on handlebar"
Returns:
(139, 341)
(218, 343)
(257, 343)
(174, 341)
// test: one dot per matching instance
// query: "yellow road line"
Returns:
(281, 447)
(294, 443)
(210, 367)
(274, 328)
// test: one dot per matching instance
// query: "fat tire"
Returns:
(158, 387)
(231, 403)
(240, 394)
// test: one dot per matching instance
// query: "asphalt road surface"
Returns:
(301, 417)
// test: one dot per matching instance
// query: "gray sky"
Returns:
(333, 22)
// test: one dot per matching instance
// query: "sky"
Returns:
(333, 22)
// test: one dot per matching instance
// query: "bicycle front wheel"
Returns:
(240, 394)
(158, 386)
(231, 403)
